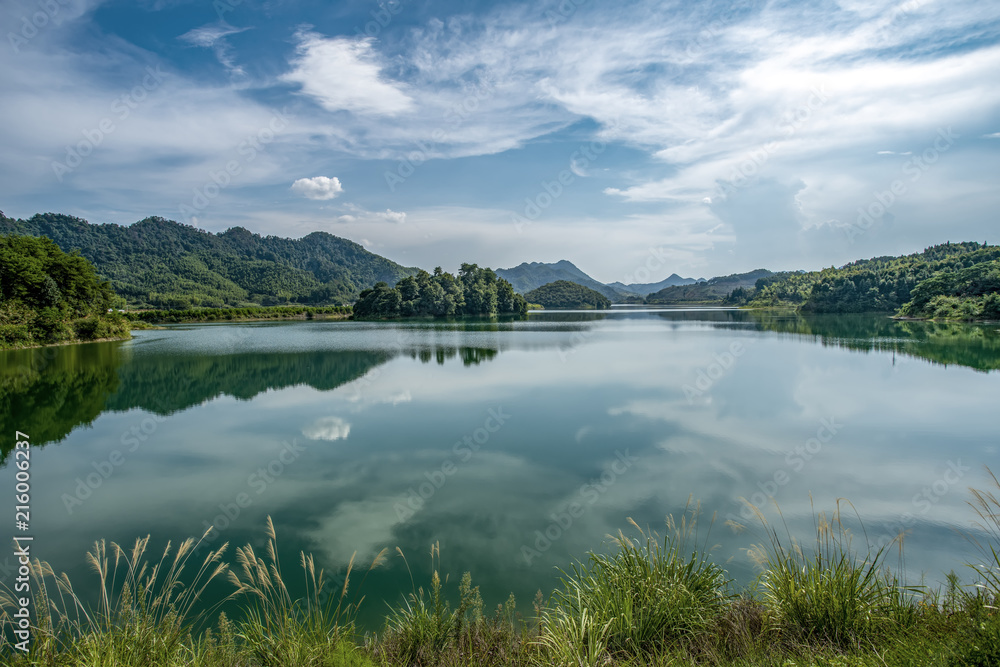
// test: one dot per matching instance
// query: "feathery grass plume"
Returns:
(425, 625)
(986, 505)
(425, 630)
(633, 602)
(278, 630)
(144, 615)
(831, 592)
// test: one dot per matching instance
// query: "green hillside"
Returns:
(969, 293)
(164, 264)
(951, 280)
(49, 296)
(527, 276)
(564, 294)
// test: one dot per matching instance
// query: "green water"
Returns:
(518, 445)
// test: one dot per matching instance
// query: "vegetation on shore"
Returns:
(947, 281)
(235, 314)
(476, 291)
(564, 294)
(969, 293)
(652, 601)
(48, 296)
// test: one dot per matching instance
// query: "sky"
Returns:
(635, 139)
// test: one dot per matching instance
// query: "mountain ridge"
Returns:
(528, 276)
(163, 263)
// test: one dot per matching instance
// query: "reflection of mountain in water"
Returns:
(975, 346)
(170, 383)
(49, 392)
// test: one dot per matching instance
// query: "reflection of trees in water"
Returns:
(169, 383)
(48, 392)
(975, 346)
(469, 355)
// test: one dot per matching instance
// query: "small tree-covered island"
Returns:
(564, 294)
(475, 291)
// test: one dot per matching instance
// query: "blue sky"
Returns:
(633, 138)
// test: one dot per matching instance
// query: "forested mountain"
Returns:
(165, 264)
(959, 280)
(475, 291)
(565, 294)
(532, 275)
(49, 296)
(710, 291)
(645, 289)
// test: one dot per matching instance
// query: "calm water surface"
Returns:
(516, 445)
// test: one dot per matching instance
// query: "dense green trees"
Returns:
(235, 314)
(475, 291)
(970, 293)
(48, 296)
(959, 278)
(564, 294)
(164, 264)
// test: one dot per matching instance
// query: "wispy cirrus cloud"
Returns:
(818, 106)
(213, 36)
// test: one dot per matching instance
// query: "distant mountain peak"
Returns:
(528, 276)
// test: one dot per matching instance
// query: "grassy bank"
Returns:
(21, 328)
(652, 601)
(237, 314)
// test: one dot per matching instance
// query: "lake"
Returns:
(516, 445)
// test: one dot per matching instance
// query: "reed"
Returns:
(313, 631)
(425, 630)
(648, 593)
(832, 591)
(651, 601)
(145, 613)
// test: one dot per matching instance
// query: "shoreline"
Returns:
(65, 342)
(224, 320)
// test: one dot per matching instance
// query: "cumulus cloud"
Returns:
(318, 187)
(327, 428)
(345, 74)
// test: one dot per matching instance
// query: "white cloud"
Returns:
(327, 428)
(345, 74)
(213, 36)
(208, 35)
(392, 216)
(360, 215)
(995, 135)
(320, 188)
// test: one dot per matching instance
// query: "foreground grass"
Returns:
(654, 601)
